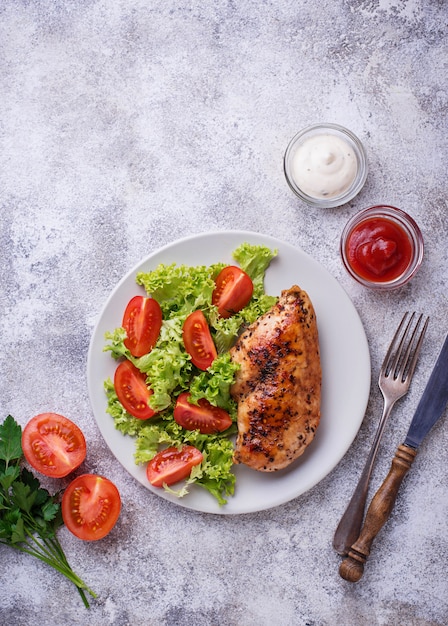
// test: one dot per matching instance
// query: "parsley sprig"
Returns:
(29, 515)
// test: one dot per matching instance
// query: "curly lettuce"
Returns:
(215, 472)
(180, 290)
(254, 260)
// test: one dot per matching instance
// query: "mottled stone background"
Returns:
(127, 124)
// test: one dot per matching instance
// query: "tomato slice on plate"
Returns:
(53, 444)
(90, 506)
(132, 390)
(171, 465)
(234, 289)
(206, 418)
(198, 341)
(142, 321)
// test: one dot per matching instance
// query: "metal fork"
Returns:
(394, 380)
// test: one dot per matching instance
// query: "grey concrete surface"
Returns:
(127, 125)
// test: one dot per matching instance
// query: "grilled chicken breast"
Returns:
(278, 386)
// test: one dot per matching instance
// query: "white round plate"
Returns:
(345, 370)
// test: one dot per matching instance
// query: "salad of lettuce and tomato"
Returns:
(171, 387)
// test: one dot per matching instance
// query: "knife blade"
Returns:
(430, 408)
(432, 402)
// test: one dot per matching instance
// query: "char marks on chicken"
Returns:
(278, 386)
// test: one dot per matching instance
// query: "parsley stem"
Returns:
(54, 556)
(29, 515)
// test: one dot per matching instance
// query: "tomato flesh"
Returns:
(171, 465)
(198, 341)
(142, 321)
(233, 291)
(204, 417)
(53, 445)
(132, 391)
(90, 506)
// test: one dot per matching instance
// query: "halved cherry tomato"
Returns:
(198, 341)
(53, 444)
(90, 506)
(132, 390)
(142, 321)
(171, 465)
(234, 289)
(206, 418)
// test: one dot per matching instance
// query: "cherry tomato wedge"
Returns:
(234, 289)
(198, 341)
(171, 465)
(53, 444)
(132, 391)
(90, 507)
(142, 321)
(206, 418)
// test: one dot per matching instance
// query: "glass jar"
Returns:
(382, 247)
(325, 165)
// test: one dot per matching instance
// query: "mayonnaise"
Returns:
(324, 166)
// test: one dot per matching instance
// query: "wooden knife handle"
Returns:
(352, 568)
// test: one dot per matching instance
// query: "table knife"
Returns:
(430, 408)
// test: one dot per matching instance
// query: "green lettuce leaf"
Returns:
(168, 366)
(214, 473)
(116, 344)
(214, 384)
(255, 260)
(180, 290)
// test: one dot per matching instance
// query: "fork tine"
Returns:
(401, 371)
(394, 368)
(413, 361)
(400, 361)
(387, 366)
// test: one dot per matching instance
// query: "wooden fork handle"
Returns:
(352, 568)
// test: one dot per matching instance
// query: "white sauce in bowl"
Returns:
(324, 166)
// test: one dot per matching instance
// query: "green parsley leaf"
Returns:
(18, 531)
(8, 476)
(22, 496)
(10, 440)
(29, 515)
(50, 510)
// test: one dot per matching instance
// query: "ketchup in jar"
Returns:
(382, 247)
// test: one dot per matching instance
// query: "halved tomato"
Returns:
(142, 321)
(198, 341)
(234, 289)
(90, 506)
(53, 444)
(171, 465)
(206, 418)
(132, 390)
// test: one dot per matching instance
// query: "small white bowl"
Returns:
(347, 175)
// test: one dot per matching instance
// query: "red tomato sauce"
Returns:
(379, 250)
